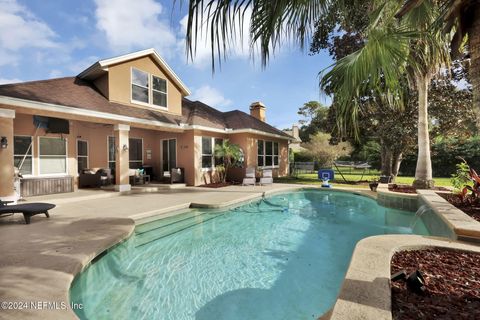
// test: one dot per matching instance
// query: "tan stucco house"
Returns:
(122, 113)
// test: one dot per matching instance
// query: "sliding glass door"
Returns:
(169, 156)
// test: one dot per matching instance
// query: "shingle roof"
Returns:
(237, 119)
(77, 93)
(82, 94)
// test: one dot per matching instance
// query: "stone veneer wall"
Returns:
(462, 227)
(434, 223)
(396, 200)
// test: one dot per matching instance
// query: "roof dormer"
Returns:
(140, 79)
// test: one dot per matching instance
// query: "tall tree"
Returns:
(394, 49)
(342, 31)
(452, 113)
(316, 118)
(463, 17)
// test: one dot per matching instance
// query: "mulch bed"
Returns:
(404, 188)
(452, 279)
(472, 210)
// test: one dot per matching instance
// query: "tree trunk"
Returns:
(387, 163)
(386, 157)
(474, 48)
(423, 172)
(396, 161)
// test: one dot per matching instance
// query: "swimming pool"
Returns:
(283, 257)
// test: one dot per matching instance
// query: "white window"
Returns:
(209, 160)
(148, 89)
(159, 91)
(111, 153)
(52, 155)
(82, 155)
(267, 152)
(139, 86)
(135, 153)
(22, 154)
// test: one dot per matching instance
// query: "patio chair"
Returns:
(28, 209)
(136, 177)
(249, 177)
(267, 177)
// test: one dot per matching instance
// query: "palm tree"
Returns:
(462, 16)
(393, 49)
(230, 153)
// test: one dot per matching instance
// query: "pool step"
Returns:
(162, 228)
(162, 222)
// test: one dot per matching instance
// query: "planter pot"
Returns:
(373, 186)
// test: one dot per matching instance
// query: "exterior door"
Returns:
(82, 155)
(169, 156)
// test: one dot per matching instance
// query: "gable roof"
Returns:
(100, 67)
(77, 96)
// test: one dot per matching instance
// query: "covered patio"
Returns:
(67, 157)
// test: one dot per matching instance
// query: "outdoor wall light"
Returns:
(3, 143)
(125, 147)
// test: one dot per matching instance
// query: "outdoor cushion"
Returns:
(267, 177)
(249, 176)
(28, 209)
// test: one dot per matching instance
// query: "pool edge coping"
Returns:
(365, 292)
(465, 227)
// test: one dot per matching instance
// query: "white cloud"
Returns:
(210, 96)
(5, 81)
(55, 73)
(19, 28)
(8, 58)
(78, 66)
(238, 48)
(130, 25)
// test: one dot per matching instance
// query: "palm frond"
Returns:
(407, 7)
(270, 23)
(376, 68)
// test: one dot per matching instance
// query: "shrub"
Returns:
(445, 154)
(461, 177)
(320, 149)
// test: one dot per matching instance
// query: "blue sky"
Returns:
(57, 38)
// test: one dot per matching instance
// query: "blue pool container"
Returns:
(326, 174)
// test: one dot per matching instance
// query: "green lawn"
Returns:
(311, 178)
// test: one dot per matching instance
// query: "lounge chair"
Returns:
(28, 209)
(249, 177)
(267, 177)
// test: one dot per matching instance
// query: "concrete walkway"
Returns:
(39, 261)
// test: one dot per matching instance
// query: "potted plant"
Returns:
(373, 185)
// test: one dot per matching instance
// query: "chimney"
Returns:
(257, 110)
(295, 132)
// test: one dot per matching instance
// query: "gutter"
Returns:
(36, 105)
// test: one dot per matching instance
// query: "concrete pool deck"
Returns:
(39, 261)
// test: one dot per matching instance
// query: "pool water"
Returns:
(283, 257)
